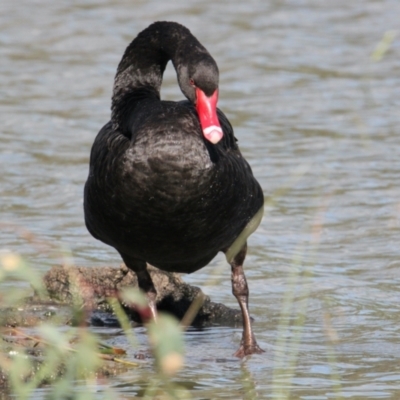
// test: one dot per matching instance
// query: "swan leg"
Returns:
(146, 284)
(240, 290)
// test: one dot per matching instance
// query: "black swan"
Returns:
(167, 183)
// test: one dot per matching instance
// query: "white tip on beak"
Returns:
(213, 134)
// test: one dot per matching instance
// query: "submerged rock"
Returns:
(91, 287)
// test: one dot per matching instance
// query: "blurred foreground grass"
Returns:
(69, 361)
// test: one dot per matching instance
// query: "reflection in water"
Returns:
(303, 94)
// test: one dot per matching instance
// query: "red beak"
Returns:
(207, 111)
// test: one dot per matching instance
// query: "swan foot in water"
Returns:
(248, 350)
(241, 291)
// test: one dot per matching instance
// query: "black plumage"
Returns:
(158, 191)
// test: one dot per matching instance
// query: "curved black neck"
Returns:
(140, 72)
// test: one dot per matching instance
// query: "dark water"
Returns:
(318, 120)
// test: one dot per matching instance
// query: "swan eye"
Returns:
(191, 81)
